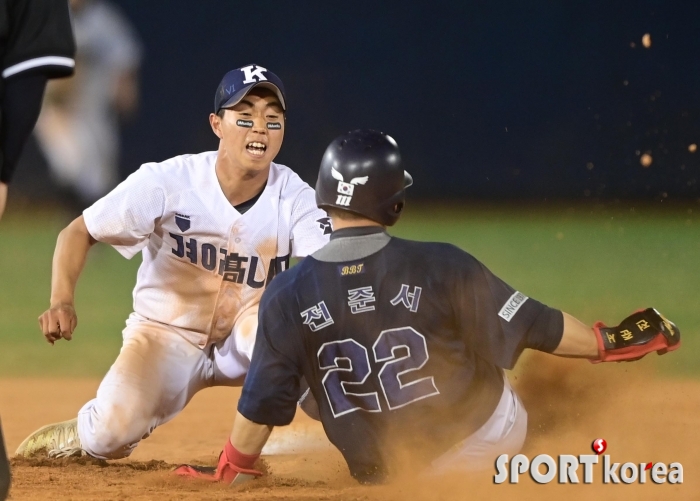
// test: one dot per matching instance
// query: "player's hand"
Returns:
(59, 321)
(234, 468)
(228, 474)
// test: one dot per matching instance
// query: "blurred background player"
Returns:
(403, 343)
(36, 44)
(78, 129)
(214, 229)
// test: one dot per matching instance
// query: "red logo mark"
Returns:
(648, 466)
(599, 445)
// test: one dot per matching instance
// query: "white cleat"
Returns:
(57, 440)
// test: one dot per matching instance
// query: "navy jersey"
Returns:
(402, 348)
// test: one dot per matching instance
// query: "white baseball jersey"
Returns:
(204, 263)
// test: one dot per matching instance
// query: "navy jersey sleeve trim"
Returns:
(272, 387)
(546, 332)
(271, 400)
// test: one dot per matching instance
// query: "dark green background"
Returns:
(597, 263)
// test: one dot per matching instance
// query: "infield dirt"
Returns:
(643, 417)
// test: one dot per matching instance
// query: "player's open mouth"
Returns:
(256, 149)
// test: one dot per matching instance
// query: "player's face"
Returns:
(253, 148)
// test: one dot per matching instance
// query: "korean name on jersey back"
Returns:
(231, 265)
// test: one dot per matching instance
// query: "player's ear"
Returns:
(215, 122)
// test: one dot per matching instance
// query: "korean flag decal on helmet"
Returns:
(346, 190)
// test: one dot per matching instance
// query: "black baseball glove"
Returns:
(640, 333)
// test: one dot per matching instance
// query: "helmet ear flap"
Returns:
(393, 208)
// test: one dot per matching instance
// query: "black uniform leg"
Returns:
(21, 104)
(4, 469)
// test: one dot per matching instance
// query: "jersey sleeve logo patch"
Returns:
(317, 317)
(325, 224)
(182, 222)
(512, 306)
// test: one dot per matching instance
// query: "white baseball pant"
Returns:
(503, 433)
(155, 375)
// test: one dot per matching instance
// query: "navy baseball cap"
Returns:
(237, 83)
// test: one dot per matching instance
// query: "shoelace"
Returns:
(67, 444)
(66, 452)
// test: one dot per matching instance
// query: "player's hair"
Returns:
(343, 214)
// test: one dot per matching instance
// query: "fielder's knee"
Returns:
(112, 432)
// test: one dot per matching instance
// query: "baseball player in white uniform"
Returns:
(213, 229)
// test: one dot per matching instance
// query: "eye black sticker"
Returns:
(274, 125)
(244, 123)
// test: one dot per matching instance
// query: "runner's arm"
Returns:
(249, 437)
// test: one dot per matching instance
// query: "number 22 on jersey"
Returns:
(340, 381)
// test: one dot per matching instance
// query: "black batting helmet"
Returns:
(361, 172)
